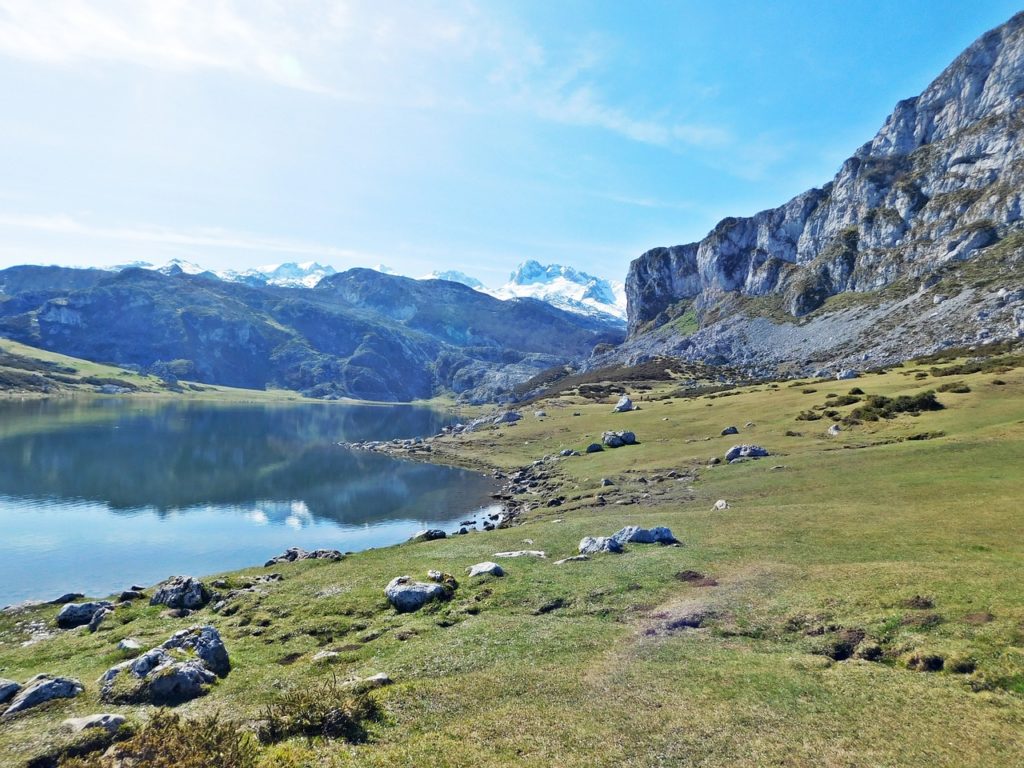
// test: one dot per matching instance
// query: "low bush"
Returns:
(326, 709)
(882, 407)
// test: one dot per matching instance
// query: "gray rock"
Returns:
(130, 594)
(108, 722)
(293, 554)
(745, 452)
(633, 534)
(594, 545)
(508, 417)
(486, 568)
(573, 559)
(129, 644)
(834, 430)
(325, 656)
(730, 431)
(720, 505)
(67, 597)
(181, 592)
(605, 482)
(594, 448)
(618, 439)
(624, 405)
(99, 617)
(43, 688)
(847, 373)
(207, 644)
(431, 534)
(79, 614)
(407, 595)
(7, 689)
(540, 414)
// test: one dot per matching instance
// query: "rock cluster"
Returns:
(40, 689)
(745, 452)
(79, 614)
(180, 669)
(181, 592)
(617, 439)
(292, 554)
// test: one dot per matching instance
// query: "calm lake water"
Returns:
(98, 494)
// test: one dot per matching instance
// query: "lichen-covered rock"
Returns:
(79, 614)
(181, 592)
(430, 534)
(43, 688)
(407, 595)
(594, 545)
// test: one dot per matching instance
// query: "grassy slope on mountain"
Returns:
(573, 665)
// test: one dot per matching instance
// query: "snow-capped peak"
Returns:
(566, 288)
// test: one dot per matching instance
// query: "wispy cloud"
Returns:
(201, 238)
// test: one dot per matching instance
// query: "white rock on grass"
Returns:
(109, 722)
(522, 553)
(633, 534)
(486, 568)
(573, 559)
(721, 504)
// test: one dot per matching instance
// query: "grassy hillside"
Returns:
(843, 567)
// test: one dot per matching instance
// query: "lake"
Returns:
(98, 494)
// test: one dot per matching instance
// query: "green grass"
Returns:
(839, 539)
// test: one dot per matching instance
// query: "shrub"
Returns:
(169, 741)
(808, 416)
(327, 709)
(845, 400)
(882, 407)
(856, 391)
(956, 387)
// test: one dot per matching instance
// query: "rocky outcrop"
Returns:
(181, 592)
(938, 187)
(407, 595)
(43, 688)
(293, 554)
(79, 614)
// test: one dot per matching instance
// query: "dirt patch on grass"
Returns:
(981, 617)
(696, 579)
(918, 602)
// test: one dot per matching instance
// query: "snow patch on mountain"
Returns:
(454, 276)
(566, 288)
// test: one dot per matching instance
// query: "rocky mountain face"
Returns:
(359, 333)
(917, 243)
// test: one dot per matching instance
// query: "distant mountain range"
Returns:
(359, 333)
(562, 287)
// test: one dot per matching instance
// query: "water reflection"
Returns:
(141, 482)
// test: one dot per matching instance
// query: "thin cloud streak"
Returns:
(206, 238)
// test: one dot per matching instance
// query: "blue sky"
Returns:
(435, 135)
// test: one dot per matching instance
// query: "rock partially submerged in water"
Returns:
(407, 595)
(181, 592)
(292, 554)
(180, 669)
(43, 688)
(79, 614)
(430, 534)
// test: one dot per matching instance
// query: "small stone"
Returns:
(573, 559)
(633, 534)
(407, 595)
(721, 504)
(605, 482)
(594, 448)
(129, 595)
(834, 430)
(98, 618)
(325, 655)
(67, 597)
(745, 452)
(129, 644)
(730, 431)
